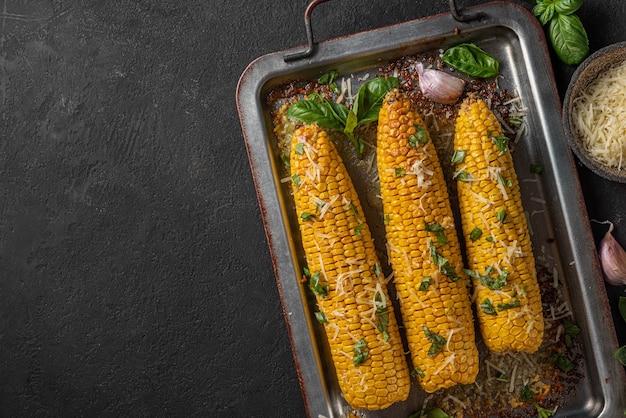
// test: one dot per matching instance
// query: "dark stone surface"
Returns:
(135, 278)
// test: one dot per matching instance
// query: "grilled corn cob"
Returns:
(424, 249)
(345, 275)
(496, 234)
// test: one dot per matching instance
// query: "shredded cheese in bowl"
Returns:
(599, 117)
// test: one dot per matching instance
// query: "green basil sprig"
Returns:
(329, 114)
(472, 60)
(565, 29)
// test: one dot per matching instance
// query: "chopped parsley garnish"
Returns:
(424, 284)
(438, 230)
(493, 283)
(436, 340)
(502, 143)
(358, 229)
(377, 270)
(462, 176)
(417, 372)
(475, 234)
(419, 137)
(306, 216)
(501, 215)
(399, 172)
(504, 181)
(443, 263)
(299, 148)
(360, 353)
(315, 285)
(487, 307)
(382, 312)
(571, 330)
(321, 317)
(285, 159)
(296, 179)
(563, 362)
(509, 305)
(490, 239)
(458, 156)
(543, 412)
(526, 394)
(386, 219)
(536, 169)
(329, 79)
(355, 210)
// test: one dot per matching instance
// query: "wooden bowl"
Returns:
(585, 74)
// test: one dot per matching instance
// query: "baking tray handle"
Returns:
(457, 14)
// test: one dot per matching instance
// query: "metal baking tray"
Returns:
(562, 237)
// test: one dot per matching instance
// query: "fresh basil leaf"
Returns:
(351, 122)
(430, 412)
(567, 7)
(471, 60)
(323, 113)
(568, 38)
(340, 111)
(370, 98)
(620, 355)
(544, 11)
(622, 306)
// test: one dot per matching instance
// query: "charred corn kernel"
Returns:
(424, 249)
(496, 234)
(351, 292)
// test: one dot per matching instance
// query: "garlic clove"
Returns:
(439, 86)
(612, 259)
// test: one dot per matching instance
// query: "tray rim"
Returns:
(249, 96)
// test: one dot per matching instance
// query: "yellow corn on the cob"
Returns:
(424, 249)
(496, 234)
(340, 254)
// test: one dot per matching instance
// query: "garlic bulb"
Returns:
(612, 259)
(439, 86)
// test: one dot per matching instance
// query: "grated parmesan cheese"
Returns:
(599, 117)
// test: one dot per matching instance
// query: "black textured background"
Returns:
(135, 278)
